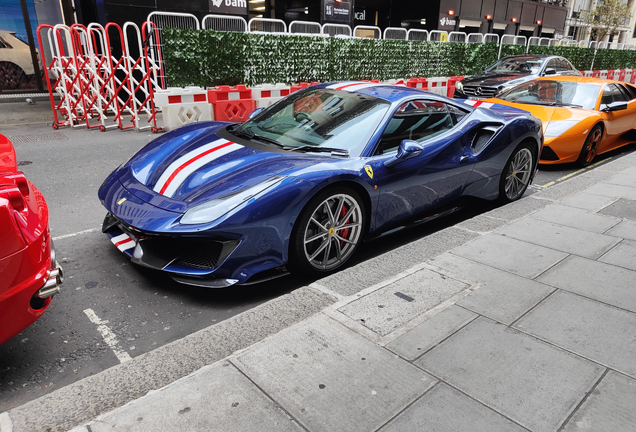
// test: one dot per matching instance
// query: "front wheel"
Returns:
(328, 231)
(516, 174)
(590, 148)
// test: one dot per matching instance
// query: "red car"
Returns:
(29, 273)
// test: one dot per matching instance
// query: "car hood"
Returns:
(495, 80)
(547, 114)
(196, 166)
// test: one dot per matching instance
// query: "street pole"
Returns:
(34, 57)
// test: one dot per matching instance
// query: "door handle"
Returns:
(464, 158)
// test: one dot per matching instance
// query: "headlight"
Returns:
(556, 128)
(459, 86)
(214, 209)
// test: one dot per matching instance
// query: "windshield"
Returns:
(516, 65)
(319, 117)
(551, 93)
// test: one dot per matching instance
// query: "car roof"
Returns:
(580, 79)
(530, 56)
(388, 92)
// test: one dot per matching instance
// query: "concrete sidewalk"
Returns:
(519, 319)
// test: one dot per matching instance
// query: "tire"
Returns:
(590, 148)
(12, 76)
(517, 173)
(327, 232)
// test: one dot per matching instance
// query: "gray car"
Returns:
(508, 72)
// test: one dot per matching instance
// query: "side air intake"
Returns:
(483, 136)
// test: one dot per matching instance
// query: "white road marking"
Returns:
(108, 335)
(74, 234)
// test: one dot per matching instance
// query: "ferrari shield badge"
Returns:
(369, 170)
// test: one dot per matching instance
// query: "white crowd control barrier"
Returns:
(458, 37)
(266, 25)
(370, 32)
(417, 34)
(181, 106)
(226, 23)
(394, 33)
(337, 30)
(267, 94)
(305, 28)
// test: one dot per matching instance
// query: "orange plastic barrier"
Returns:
(233, 104)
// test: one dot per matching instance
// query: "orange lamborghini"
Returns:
(582, 117)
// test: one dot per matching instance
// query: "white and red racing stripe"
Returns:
(182, 168)
(478, 103)
(352, 86)
(123, 242)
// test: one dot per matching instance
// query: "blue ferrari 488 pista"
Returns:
(303, 182)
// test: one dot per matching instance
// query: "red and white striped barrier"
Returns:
(603, 74)
(420, 83)
(438, 85)
(183, 106)
(267, 94)
(233, 104)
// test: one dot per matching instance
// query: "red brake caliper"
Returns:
(345, 232)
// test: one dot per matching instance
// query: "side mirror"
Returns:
(408, 149)
(255, 112)
(550, 72)
(615, 106)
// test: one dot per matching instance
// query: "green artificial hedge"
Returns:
(208, 58)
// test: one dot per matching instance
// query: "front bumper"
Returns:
(189, 260)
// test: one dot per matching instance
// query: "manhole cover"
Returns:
(55, 136)
(23, 163)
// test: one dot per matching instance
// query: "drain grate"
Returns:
(55, 136)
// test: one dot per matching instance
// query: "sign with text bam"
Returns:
(235, 7)
(337, 11)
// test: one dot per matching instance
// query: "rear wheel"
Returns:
(12, 76)
(517, 173)
(328, 231)
(590, 148)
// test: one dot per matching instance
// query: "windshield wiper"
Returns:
(252, 136)
(318, 149)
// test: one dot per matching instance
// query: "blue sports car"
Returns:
(303, 182)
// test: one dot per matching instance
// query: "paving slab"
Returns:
(612, 190)
(594, 330)
(502, 296)
(575, 184)
(610, 407)
(571, 240)
(625, 229)
(623, 208)
(218, 398)
(518, 208)
(576, 218)
(381, 268)
(623, 255)
(586, 201)
(330, 378)
(514, 256)
(389, 308)
(483, 223)
(444, 409)
(600, 281)
(431, 332)
(625, 178)
(526, 380)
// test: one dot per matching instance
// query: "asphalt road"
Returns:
(104, 294)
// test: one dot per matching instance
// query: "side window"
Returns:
(457, 114)
(563, 66)
(552, 64)
(417, 121)
(630, 90)
(3, 44)
(612, 93)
